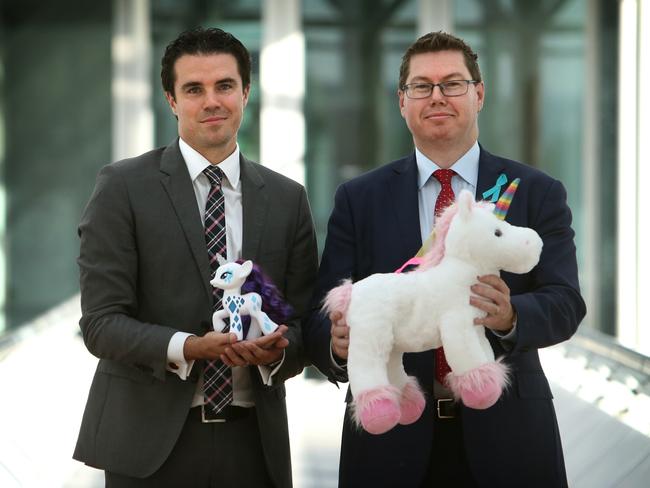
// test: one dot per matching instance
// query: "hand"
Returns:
(492, 295)
(211, 346)
(340, 335)
(261, 351)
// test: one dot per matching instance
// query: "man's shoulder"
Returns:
(267, 175)
(382, 174)
(143, 162)
(516, 168)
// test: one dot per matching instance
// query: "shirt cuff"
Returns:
(268, 370)
(176, 362)
(509, 338)
(337, 367)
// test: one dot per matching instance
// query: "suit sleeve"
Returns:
(302, 265)
(337, 263)
(108, 263)
(551, 311)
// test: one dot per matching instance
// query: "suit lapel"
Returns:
(254, 206)
(176, 181)
(404, 202)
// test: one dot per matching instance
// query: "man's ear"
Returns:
(171, 101)
(480, 95)
(401, 96)
(247, 92)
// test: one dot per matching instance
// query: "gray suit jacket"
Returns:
(145, 275)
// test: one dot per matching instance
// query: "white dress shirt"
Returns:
(466, 177)
(231, 186)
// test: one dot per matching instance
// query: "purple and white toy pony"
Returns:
(393, 313)
(231, 277)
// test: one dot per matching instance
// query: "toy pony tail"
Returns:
(338, 299)
(273, 303)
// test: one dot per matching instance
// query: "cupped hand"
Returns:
(492, 295)
(340, 332)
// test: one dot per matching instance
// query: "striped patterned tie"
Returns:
(217, 376)
(445, 198)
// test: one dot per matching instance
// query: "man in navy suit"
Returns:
(380, 220)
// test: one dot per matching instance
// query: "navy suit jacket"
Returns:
(374, 228)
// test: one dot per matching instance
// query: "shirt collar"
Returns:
(466, 167)
(196, 163)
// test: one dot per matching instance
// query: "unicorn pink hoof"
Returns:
(480, 387)
(411, 403)
(377, 410)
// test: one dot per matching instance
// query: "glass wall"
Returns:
(55, 72)
(354, 51)
(549, 69)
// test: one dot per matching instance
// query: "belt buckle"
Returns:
(439, 410)
(209, 421)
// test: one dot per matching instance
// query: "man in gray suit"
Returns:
(146, 261)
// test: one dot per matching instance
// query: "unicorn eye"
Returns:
(226, 275)
(498, 233)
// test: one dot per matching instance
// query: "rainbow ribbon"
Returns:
(502, 206)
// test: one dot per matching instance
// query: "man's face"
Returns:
(439, 119)
(209, 101)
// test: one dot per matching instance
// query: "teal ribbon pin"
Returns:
(496, 189)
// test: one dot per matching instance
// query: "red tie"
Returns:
(445, 198)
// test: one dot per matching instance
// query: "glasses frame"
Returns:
(432, 86)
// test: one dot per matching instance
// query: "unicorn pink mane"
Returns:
(437, 251)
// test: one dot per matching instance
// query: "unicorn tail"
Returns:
(338, 299)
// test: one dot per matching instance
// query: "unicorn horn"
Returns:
(502, 206)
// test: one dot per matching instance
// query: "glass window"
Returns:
(351, 106)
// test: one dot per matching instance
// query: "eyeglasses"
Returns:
(451, 88)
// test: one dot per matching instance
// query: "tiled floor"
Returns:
(44, 381)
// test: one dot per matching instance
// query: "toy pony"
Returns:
(393, 313)
(231, 278)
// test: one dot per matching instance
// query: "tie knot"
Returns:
(444, 175)
(214, 174)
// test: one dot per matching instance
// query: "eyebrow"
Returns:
(191, 84)
(451, 76)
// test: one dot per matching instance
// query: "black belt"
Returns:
(231, 413)
(446, 408)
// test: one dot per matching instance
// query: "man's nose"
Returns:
(436, 94)
(212, 99)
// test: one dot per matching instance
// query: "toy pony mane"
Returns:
(437, 251)
(272, 301)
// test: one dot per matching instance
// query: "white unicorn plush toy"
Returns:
(393, 313)
(230, 277)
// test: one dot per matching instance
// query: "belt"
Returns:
(446, 408)
(231, 413)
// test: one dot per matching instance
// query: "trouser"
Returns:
(209, 455)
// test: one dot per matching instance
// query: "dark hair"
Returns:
(204, 41)
(439, 41)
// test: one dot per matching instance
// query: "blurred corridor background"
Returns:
(565, 79)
